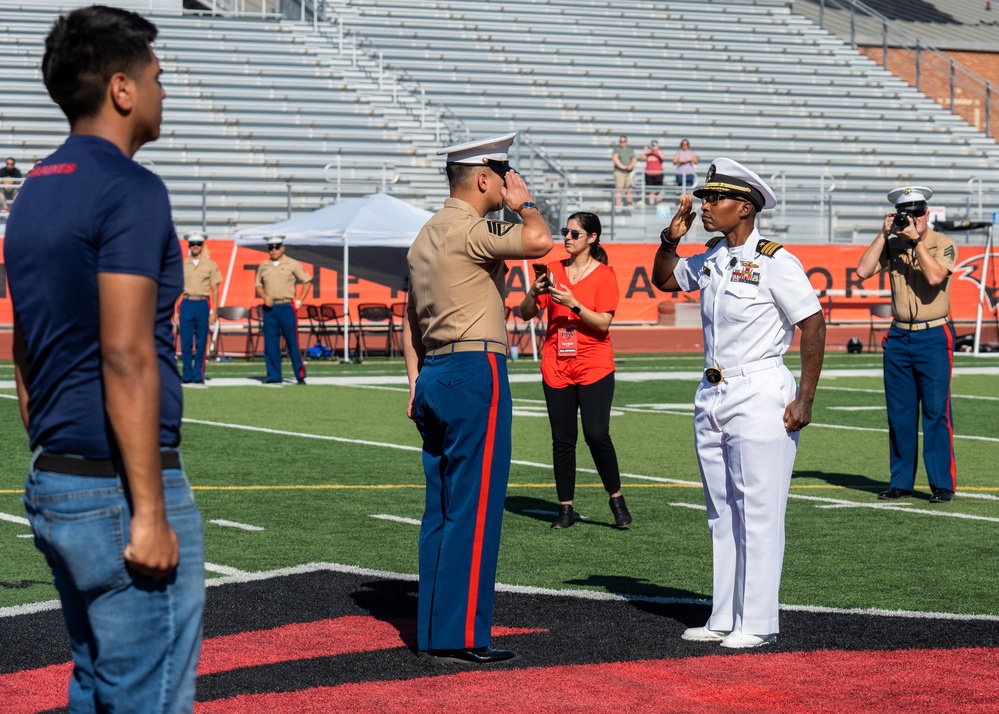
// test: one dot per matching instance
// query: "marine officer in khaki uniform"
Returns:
(455, 344)
(919, 346)
(196, 309)
(277, 279)
(748, 411)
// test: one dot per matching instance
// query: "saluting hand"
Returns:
(515, 191)
(682, 219)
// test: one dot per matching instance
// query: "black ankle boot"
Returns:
(622, 519)
(566, 516)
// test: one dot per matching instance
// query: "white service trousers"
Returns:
(746, 457)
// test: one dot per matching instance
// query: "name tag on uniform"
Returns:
(567, 341)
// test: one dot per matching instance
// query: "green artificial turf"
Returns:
(316, 462)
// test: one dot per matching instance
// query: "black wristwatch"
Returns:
(528, 204)
(576, 309)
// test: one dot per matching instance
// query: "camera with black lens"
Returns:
(901, 220)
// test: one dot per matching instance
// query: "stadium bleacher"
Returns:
(258, 109)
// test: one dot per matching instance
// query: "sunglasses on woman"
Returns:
(575, 234)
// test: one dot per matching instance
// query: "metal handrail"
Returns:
(389, 174)
(959, 74)
(456, 129)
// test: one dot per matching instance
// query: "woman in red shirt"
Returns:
(577, 360)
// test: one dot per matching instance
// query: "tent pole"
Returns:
(530, 323)
(346, 302)
(228, 277)
(981, 289)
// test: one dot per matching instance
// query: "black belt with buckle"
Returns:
(195, 298)
(103, 468)
(713, 375)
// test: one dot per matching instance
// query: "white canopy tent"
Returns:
(367, 237)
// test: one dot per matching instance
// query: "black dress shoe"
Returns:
(301, 381)
(566, 517)
(941, 495)
(622, 519)
(471, 655)
(893, 494)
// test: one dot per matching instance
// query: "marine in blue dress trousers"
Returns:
(197, 308)
(455, 344)
(277, 280)
(919, 346)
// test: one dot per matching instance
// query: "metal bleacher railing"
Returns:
(915, 60)
(266, 98)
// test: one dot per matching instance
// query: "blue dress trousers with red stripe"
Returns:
(463, 410)
(917, 371)
(280, 321)
(193, 328)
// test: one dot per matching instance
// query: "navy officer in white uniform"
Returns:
(748, 412)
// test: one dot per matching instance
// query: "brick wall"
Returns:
(934, 81)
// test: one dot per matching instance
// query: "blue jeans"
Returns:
(135, 640)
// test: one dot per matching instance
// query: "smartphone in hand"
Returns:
(541, 270)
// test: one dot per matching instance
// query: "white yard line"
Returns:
(695, 506)
(14, 519)
(245, 577)
(234, 524)
(396, 519)
(547, 467)
(223, 570)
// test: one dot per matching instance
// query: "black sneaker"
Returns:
(893, 494)
(941, 495)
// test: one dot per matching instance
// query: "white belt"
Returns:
(717, 374)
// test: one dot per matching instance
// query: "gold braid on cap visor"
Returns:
(718, 185)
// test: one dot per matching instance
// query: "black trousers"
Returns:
(593, 402)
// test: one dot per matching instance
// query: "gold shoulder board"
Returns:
(499, 228)
(712, 242)
(768, 247)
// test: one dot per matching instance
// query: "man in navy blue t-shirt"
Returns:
(94, 269)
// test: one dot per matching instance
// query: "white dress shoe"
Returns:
(741, 641)
(703, 634)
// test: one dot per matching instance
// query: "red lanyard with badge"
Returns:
(566, 345)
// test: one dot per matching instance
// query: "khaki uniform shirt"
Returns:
(200, 278)
(457, 274)
(913, 299)
(279, 281)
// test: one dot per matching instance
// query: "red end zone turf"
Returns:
(939, 681)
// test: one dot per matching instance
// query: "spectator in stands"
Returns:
(748, 412)
(653, 157)
(577, 361)
(624, 159)
(94, 269)
(454, 342)
(9, 176)
(919, 346)
(277, 279)
(684, 160)
(196, 310)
